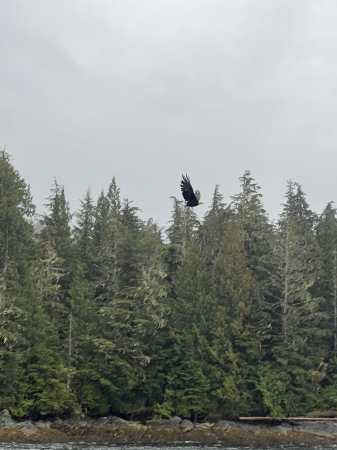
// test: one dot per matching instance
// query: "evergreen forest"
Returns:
(104, 313)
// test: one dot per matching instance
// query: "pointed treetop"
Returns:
(296, 207)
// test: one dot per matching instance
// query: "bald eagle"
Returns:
(192, 198)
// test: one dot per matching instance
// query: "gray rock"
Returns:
(222, 425)
(83, 423)
(231, 425)
(325, 434)
(103, 421)
(61, 425)
(6, 420)
(118, 422)
(28, 425)
(166, 423)
(286, 425)
(309, 426)
(187, 425)
(78, 421)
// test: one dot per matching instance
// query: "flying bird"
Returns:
(192, 198)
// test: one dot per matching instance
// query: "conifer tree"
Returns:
(148, 313)
(176, 229)
(56, 240)
(82, 361)
(16, 206)
(174, 232)
(327, 239)
(235, 328)
(299, 350)
(11, 339)
(129, 250)
(16, 254)
(56, 224)
(51, 270)
(101, 221)
(43, 389)
(84, 231)
(253, 221)
(188, 390)
(129, 289)
(259, 242)
(113, 198)
(107, 243)
(213, 226)
(301, 266)
(183, 230)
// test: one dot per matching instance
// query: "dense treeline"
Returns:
(100, 314)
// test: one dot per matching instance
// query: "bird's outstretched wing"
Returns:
(187, 189)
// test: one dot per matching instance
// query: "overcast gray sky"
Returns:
(149, 89)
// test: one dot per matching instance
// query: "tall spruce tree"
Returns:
(16, 254)
(299, 350)
(16, 206)
(254, 223)
(235, 326)
(56, 240)
(43, 388)
(327, 239)
(11, 339)
(184, 228)
(129, 292)
(56, 224)
(84, 232)
(82, 361)
(213, 226)
(107, 242)
(326, 373)
(188, 390)
(259, 241)
(56, 234)
(148, 312)
(101, 220)
(301, 266)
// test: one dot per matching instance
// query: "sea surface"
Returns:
(186, 446)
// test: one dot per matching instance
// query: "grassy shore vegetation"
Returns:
(104, 313)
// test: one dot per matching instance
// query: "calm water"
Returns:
(79, 446)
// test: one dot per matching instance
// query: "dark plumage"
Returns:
(192, 198)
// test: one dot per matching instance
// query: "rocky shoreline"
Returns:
(114, 430)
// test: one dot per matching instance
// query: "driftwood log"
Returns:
(268, 419)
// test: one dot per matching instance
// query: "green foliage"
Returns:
(299, 271)
(272, 386)
(56, 224)
(231, 315)
(16, 206)
(326, 231)
(188, 391)
(84, 232)
(213, 226)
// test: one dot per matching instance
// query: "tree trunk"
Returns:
(69, 352)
